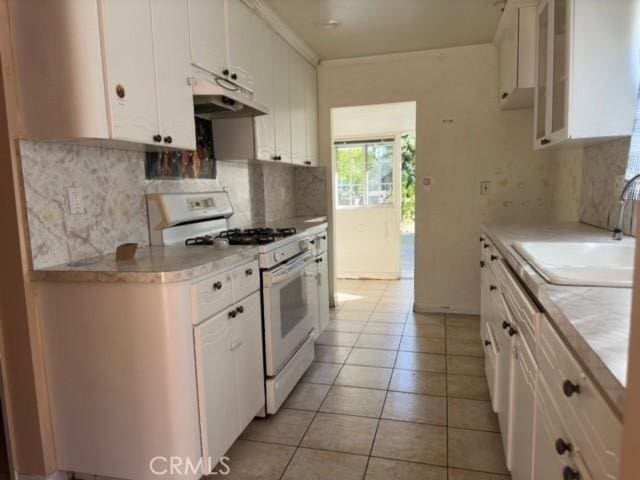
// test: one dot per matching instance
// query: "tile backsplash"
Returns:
(113, 185)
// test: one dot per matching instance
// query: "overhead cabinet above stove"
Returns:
(104, 70)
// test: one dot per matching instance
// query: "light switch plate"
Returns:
(76, 202)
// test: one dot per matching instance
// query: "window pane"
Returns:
(380, 173)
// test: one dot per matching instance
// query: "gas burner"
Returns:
(255, 236)
(204, 240)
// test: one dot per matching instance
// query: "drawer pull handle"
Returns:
(486, 245)
(232, 314)
(481, 263)
(493, 258)
(487, 343)
(240, 309)
(505, 325)
(562, 447)
(569, 473)
(570, 388)
(492, 288)
(248, 272)
(512, 331)
(217, 286)
(324, 237)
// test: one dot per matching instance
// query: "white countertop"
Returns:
(595, 321)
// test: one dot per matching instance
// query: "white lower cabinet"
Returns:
(323, 291)
(522, 412)
(230, 373)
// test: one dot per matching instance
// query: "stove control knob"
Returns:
(304, 244)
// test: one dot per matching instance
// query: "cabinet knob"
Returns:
(569, 473)
(481, 239)
(312, 242)
(487, 343)
(248, 272)
(512, 331)
(217, 285)
(307, 162)
(240, 309)
(570, 388)
(157, 138)
(545, 141)
(493, 258)
(562, 447)
(232, 314)
(492, 288)
(225, 72)
(505, 325)
(504, 95)
(120, 91)
(234, 76)
(168, 139)
(324, 237)
(486, 245)
(482, 263)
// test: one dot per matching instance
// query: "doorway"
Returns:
(373, 149)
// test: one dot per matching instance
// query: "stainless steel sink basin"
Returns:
(583, 264)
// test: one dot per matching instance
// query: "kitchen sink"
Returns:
(582, 264)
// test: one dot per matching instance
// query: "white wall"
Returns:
(462, 138)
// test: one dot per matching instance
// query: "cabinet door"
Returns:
(217, 393)
(281, 107)
(542, 73)
(522, 426)
(508, 53)
(546, 461)
(311, 112)
(208, 35)
(323, 291)
(505, 384)
(130, 70)
(559, 39)
(297, 101)
(175, 97)
(239, 45)
(246, 344)
(264, 70)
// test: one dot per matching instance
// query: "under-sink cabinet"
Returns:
(555, 422)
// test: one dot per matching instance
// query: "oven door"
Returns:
(290, 294)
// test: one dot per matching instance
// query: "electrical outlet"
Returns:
(76, 202)
(485, 187)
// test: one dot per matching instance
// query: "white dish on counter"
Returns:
(581, 263)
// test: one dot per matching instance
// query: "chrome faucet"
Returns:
(618, 232)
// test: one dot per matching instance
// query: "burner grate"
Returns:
(248, 236)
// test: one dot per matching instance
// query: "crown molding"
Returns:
(273, 19)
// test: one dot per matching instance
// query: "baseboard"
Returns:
(438, 308)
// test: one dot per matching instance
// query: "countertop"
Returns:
(595, 321)
(157, 264)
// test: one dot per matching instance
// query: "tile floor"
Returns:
(391, 395)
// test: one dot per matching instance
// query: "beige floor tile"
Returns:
(364, 402)
(426, 318)
(415, 408)
(331, 354)
(253, 460)
(392, 308)
(358, 306)
(469, 321)
(387, 317)
(386, 342)
(286, 427)
(384, 469)
(472, 415)
(459, 474)
(365, 377)
(422, 344)
(426, 362)
(476, 450)
(423, 330)
(319, 465)
(341, 433)
(463, 365)
(372, 357)
(337, 339)
(466, 386)
(346, 326)
(352, 315)
(383, 328)
(467, 347)
(425, 383)
(307, 396)
(322, 373)
(465, 333)
(414, 442)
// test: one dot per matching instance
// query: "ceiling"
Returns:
(372, 27)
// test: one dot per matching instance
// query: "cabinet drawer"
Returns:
(245, 279)
(589, 419)
(490, 363)
(211, 295)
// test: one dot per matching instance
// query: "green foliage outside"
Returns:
(408, 152)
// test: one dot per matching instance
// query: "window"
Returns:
(365, 172)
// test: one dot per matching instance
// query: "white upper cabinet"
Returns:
(281, 104)
(311, 112)
(208, 35)
(240, 54)
(515, 39)
(263, 93)
(118, 70)
(586, 71)
(297, 106)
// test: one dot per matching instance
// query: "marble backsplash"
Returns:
(113, 185)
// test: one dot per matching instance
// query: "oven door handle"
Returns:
(288, 271)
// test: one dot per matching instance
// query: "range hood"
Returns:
(216, 97)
